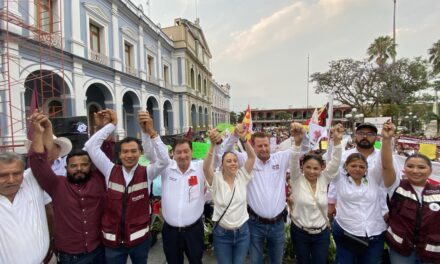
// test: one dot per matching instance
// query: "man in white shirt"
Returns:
(183, 185)
(23, 226)
(266, 197)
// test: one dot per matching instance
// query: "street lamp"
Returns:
(412, 119)
(353, 116)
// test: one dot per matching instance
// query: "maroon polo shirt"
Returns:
(78, 207)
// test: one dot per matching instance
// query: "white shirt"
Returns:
(371, 161)
(306, 213)
(182, 203)
(102, 162)
(236, 215)
(266, 192)
(359, 210)
(24, 235)
(59, 166)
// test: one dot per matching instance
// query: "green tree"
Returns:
(434, 57)
(381, 50)
(360, 85)
(354, 83)
(284, 116)
(233, 117)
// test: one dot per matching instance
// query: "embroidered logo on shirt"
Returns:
(173, 179)
(276, 167)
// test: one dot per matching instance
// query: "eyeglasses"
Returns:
(368, 134)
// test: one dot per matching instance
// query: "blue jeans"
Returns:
(310, 248)
(396, 258)
(231, 246)
(138, 254)
(344, 256)
(95, 257)
(273, 233)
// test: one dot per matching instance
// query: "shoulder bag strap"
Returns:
(319, 206)
(233, 192)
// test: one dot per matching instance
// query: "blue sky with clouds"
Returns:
(260, 47)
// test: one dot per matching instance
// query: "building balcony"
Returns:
(152, 79)
(49, 39)
(98, 57)
(131, 70)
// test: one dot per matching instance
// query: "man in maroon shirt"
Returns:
(78, 198)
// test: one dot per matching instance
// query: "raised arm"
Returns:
(332, 169)
(38, 156)
(297, 133)
(93, 145)
(147, 136)
(208, 168)
(389, 174)
(240, 131)
(156, 147)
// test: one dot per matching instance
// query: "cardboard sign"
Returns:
(429, 150)
(377, 145)
(200, 150)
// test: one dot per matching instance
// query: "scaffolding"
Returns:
(31, 33)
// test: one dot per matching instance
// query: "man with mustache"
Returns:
(78, 198)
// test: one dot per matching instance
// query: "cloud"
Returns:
(280, 26)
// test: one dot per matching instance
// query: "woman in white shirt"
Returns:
(310, 226)
(228, 189)
(358, 229)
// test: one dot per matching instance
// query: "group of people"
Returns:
(101, 210)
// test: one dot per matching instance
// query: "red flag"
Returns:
(189, 134)
(34, 106)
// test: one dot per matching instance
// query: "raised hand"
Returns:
(388, 130)
(297, 132)
(337, 133)
(146, 123)
(240, 131)
(40, 122)
(214, 136)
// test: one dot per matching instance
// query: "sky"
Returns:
(261, 47)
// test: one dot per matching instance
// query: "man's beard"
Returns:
(364, 144)
(72, 179)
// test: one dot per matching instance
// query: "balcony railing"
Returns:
(98, 57)
(50, 39)
(131, 70)
(152, 79)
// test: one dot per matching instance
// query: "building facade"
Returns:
(264, 118)
(220, 104)
(85, 56)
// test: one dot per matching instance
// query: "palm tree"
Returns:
(382, 49)
(434, 57)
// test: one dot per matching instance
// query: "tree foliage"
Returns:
(359, 84)
(382, 49)
(434, 57)
(284, 116)
(354, 83)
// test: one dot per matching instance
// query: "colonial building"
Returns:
(262, 118)
(84, 56)
(193, 79)
(220, 103)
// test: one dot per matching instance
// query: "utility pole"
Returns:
(394, 28)
(308, 79)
